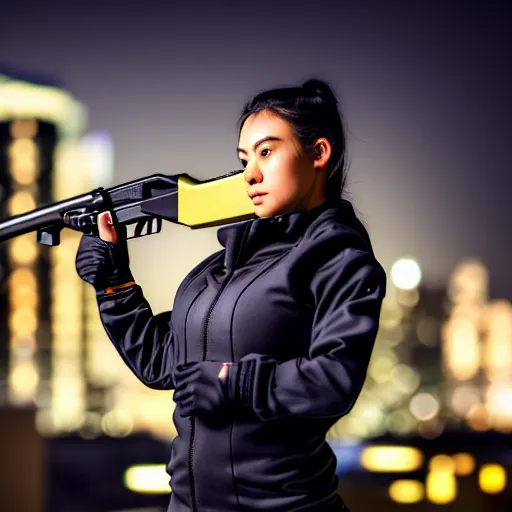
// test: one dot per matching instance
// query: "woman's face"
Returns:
(280, 176)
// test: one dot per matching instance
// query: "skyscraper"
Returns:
(40, 305)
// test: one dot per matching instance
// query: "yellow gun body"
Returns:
(213, 202)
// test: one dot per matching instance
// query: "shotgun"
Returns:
(142, 204)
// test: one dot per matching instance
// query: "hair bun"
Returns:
(315, 87)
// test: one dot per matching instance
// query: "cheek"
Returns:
(285, 177)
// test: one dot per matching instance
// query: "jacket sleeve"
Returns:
(146, 342)
(347, 292)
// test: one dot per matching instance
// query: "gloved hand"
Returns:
(202, 387)
(104, 263)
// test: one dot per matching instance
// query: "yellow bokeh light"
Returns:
(499, 398)
(24, 172)
(24, 161)
(23, 277)
(492, 478)
(464, 464)
(21, 202)
(391, 459)
(461, 347)
(469, 282)
(21, 148)
(24, 298)
(441, 487)
(406, 491)
(23, 250)
(381, 367)
(23, 322)
(147, 479)
(442, 463)
(23, 380)
(23, 128)
(23, 294)
(479, 418)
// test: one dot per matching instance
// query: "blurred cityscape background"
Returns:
(437, 398)
(431, 429)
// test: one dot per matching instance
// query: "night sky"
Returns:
(425, 93)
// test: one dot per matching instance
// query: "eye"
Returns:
(244, 163)
(265, 152)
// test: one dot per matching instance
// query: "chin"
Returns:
(263, 210)
(265, 207)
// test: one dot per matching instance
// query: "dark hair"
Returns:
(313, 110)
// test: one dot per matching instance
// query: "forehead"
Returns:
(264, 124)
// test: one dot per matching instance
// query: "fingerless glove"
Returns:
(103, 264)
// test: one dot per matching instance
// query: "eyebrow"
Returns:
(261, 141)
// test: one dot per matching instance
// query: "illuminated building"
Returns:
(39, 305)
(462, 345)
(27, 146)
(497, 363)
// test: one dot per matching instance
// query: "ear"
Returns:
(322, 151)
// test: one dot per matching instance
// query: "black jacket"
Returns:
(295, 299)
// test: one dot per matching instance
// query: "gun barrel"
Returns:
(43, 217)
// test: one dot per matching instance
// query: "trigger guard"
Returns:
(146, 223)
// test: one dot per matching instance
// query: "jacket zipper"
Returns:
(192, 419)
(205, 352)
(190, 461)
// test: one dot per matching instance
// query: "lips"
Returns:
(252, 194)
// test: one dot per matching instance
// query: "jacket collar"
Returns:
(243, 239)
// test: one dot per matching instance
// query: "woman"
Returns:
(269, 339)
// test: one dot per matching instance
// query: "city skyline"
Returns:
(441, 359)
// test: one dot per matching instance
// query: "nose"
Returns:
(252, 175)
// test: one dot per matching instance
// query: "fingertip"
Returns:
(223, 373)
(106, 230)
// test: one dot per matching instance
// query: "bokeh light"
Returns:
(406, 274)
(406, 491)
(147, 479)
(424, 406)
(464, 464)
(391, 458)
(441, 487)
(492, 478)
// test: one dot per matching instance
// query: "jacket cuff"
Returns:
(240, 382)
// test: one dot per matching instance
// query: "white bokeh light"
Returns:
(406, 274)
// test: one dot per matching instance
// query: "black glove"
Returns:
(103, 264)
(199, 388)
